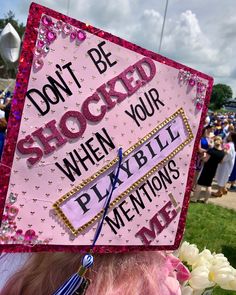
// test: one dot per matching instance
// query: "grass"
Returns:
(213, 227)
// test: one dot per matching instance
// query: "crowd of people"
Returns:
(5, 106)
(216, 157)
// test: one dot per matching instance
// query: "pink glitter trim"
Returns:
(22, 79)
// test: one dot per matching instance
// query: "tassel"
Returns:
(83, 287)
(77, 284)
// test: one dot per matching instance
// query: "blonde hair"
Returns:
(3, 125)
(217, 141)
(231, 128)
(113, 274)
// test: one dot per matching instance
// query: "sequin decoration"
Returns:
(192, 80)
(48, 32)
(9, 233)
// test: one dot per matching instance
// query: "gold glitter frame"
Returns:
(57, 204)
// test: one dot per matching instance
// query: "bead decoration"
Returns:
(12, 198)
(43, 30)
(51, 36)
(38, 52)
(47, 20)
(58, 25)
(40, 44)
(66, 28)
(185, 77)
(38, 64)
(9, 233)
(48, 32)
(46, 48)
(73, 35)
(81, 35)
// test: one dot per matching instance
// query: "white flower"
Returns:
(188, 252)
(206, 254)
(220, 270)
(198, 292)
(230, 285)
(224, 276)
(187, 290)
(200, 278)
(207, 270)
(220, 275)
(220, 259)
(203, 259)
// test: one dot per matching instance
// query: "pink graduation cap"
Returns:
(86, 106)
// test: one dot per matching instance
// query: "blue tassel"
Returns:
(70, 286)
(77, 284)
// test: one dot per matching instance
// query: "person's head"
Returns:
(225, 123)
(138, 273)
(231, 128)
(207, 121)
(232, 138)
(3, 125)
(217, 142)
(206, 131)
(218, 122)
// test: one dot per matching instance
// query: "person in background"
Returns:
(2, 113)
(6, 108)
(225, 168)
(232, 178)
(231, 128)
(211, 160)
(205, 143)
(218, 127)
(212, 131)
(3, 127)
(225, 128)
(207, 121)
(206, 140)
(212, 117)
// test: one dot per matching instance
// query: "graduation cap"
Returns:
(88, 104)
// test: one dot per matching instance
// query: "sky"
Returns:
(198, 33)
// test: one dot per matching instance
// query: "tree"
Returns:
(20, 28)
(221, 93)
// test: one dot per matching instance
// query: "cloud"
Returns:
(146, 31)
(233, 74)
(184, 39)
(228, 29)
(199, 34)
(110, 13)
